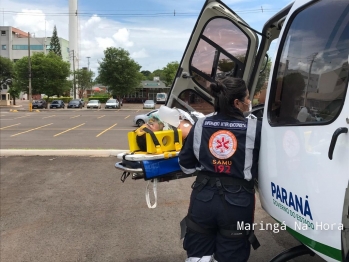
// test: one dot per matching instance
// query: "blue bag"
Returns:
(161, 168)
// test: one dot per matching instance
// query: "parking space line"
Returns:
(101, 116)
(127, 116)
(31, 130)
(75, 116)
(106, 130)
(48, 116)
(68, 130)
(9, 126)
(21, 116)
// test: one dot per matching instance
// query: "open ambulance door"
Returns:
(221, 44)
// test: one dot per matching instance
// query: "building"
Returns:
(14, 45)
(147, 90)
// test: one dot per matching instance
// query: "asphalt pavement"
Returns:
(70, 205)
(77, 209)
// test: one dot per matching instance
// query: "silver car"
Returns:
(94, 104)
(140, 120)
(112, 103)
(149, 104)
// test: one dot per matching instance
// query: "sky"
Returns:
(154, 32)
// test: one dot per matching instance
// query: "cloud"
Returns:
(105, 42)
(122, 38)
(140, 54)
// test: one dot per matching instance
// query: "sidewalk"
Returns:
(61, 152)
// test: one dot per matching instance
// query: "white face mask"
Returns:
(249, 106)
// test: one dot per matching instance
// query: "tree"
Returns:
(226, 65)
(119, 72)
(158, 72)
(84, 80)
(263, 76)
(146, 73)
(55, 46)
(49, 74)
(6, 71)
(14, 92)
(170, 71)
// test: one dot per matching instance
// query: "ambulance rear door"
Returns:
(221, 44)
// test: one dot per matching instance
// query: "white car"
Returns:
(149, 104)
(112, 103)
(94, 104)
(140, 120)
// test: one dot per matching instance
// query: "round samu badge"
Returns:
(223, 144)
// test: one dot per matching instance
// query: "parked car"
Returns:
(140, 120)
(39, 104)
(82, 102)
(149, 104)
(57, 104)
(76, 103)
(94, 104)
(112, 103)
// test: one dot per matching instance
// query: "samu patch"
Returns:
(233, 125)
(223, 144)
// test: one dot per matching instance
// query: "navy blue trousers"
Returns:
(208, 210)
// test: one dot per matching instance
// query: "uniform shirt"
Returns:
(222, 145)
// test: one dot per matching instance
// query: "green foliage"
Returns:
(145, 73)
(119, 72)
(49, 74)
(14, 92)
(263, 76)
(83, 80)
(55, 46)
(226, 65)
(6, 69)
(100, 95)
(169, 72)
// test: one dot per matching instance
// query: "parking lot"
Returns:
(68, 128)
(77, 209)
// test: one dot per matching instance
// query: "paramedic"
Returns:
(223, 149)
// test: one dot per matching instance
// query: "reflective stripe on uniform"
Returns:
(250, 140)
(197, 137)
(187, 170)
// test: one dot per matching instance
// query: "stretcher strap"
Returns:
(147, 197)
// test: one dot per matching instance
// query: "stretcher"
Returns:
(159, 163)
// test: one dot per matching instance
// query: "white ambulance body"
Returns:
(304, 106)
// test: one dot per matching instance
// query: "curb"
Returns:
(61, 152)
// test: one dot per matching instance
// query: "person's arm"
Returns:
(186, 158)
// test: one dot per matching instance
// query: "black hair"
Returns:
(225, 91)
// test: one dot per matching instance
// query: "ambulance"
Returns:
(303, 104)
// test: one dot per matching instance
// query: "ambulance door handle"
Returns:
(335, 135)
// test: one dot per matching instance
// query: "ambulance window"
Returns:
(221, 50)
(311, 73)
(194, 101)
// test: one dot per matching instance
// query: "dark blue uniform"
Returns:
(224, 151)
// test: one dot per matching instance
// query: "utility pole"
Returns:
(74, 83)
(88, 63)
(30, 76)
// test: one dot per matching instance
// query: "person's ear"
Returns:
(237, 103)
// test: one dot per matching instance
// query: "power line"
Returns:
(81, 14)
